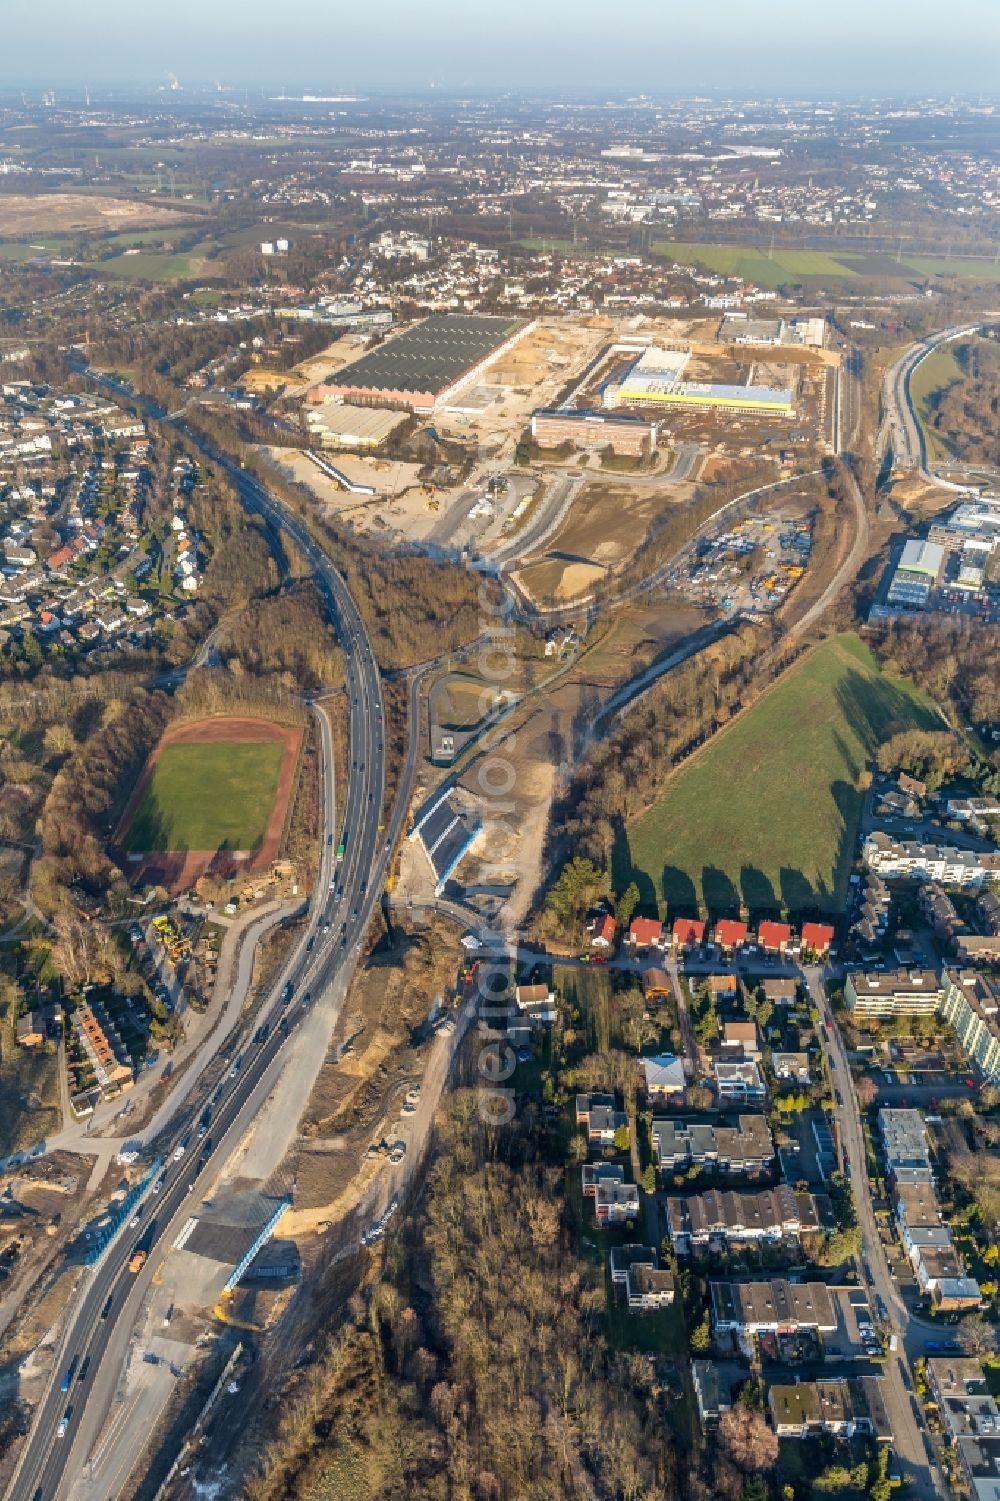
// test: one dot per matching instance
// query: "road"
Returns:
(897, 1380)
(346, 893)
(901, 428)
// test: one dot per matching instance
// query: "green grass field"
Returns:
(208, 797)
(936, 373)
(758, 264)
(767, 814)
(755, 262)
(931, 265)
(150, 265)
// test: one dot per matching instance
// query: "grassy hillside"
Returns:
(768, 812)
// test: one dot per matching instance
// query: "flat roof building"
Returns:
(425, 365)
(596, 431)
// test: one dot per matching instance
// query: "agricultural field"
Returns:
(785, 263)
(932, 377)
(767, 813)
(768, 269)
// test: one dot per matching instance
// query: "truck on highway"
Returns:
(341, 848)
(70, 1373)
(64, 1422)
(138, 1260)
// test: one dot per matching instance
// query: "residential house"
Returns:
(971, 1004)
(722, 987)
(687, 933)
(843, 1407)
(740, 1080)
(774, 937)
(536, 1004)
(656, 984)
(105, 1050)
(730, 935)
(31, 1030)
(816, 938)
(623, 1257)
(592, 1174)
(648, 1288)
(794, 1066)
(775, 1306)
(746, 1148)
(909, 860)
(602, 932)
(979, 1461)
(645, 933)
(725, 1217)
(600, 1119)
(664, 1077)
(711, 1391)
(741, 1037)
(965, 1407)
(616, 1203)
(939, 910)
(780, 992)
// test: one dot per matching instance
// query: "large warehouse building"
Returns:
(424, 367)
(655, 380)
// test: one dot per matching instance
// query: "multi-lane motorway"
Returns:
(901, 428)
(109, 1297)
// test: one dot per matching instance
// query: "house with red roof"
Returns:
(774, 936)
(602, 931)
(645, 933)
(688, 933)
(729, 934)
(60, 559)
(817, 937)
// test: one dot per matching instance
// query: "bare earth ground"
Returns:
(548, 731)
(178, 871)
(21, 213)
(308, 373)
(606, 523)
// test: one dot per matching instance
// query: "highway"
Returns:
(901, 429)
(99, 1326)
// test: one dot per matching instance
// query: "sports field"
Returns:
(767, 813)
(208, 797)
(213, 795)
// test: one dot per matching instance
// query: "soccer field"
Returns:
(768, 813)
(207, 796)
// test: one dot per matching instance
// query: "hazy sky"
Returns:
(572, 46)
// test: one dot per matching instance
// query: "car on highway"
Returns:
(397, 1151)
(158, 1185)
